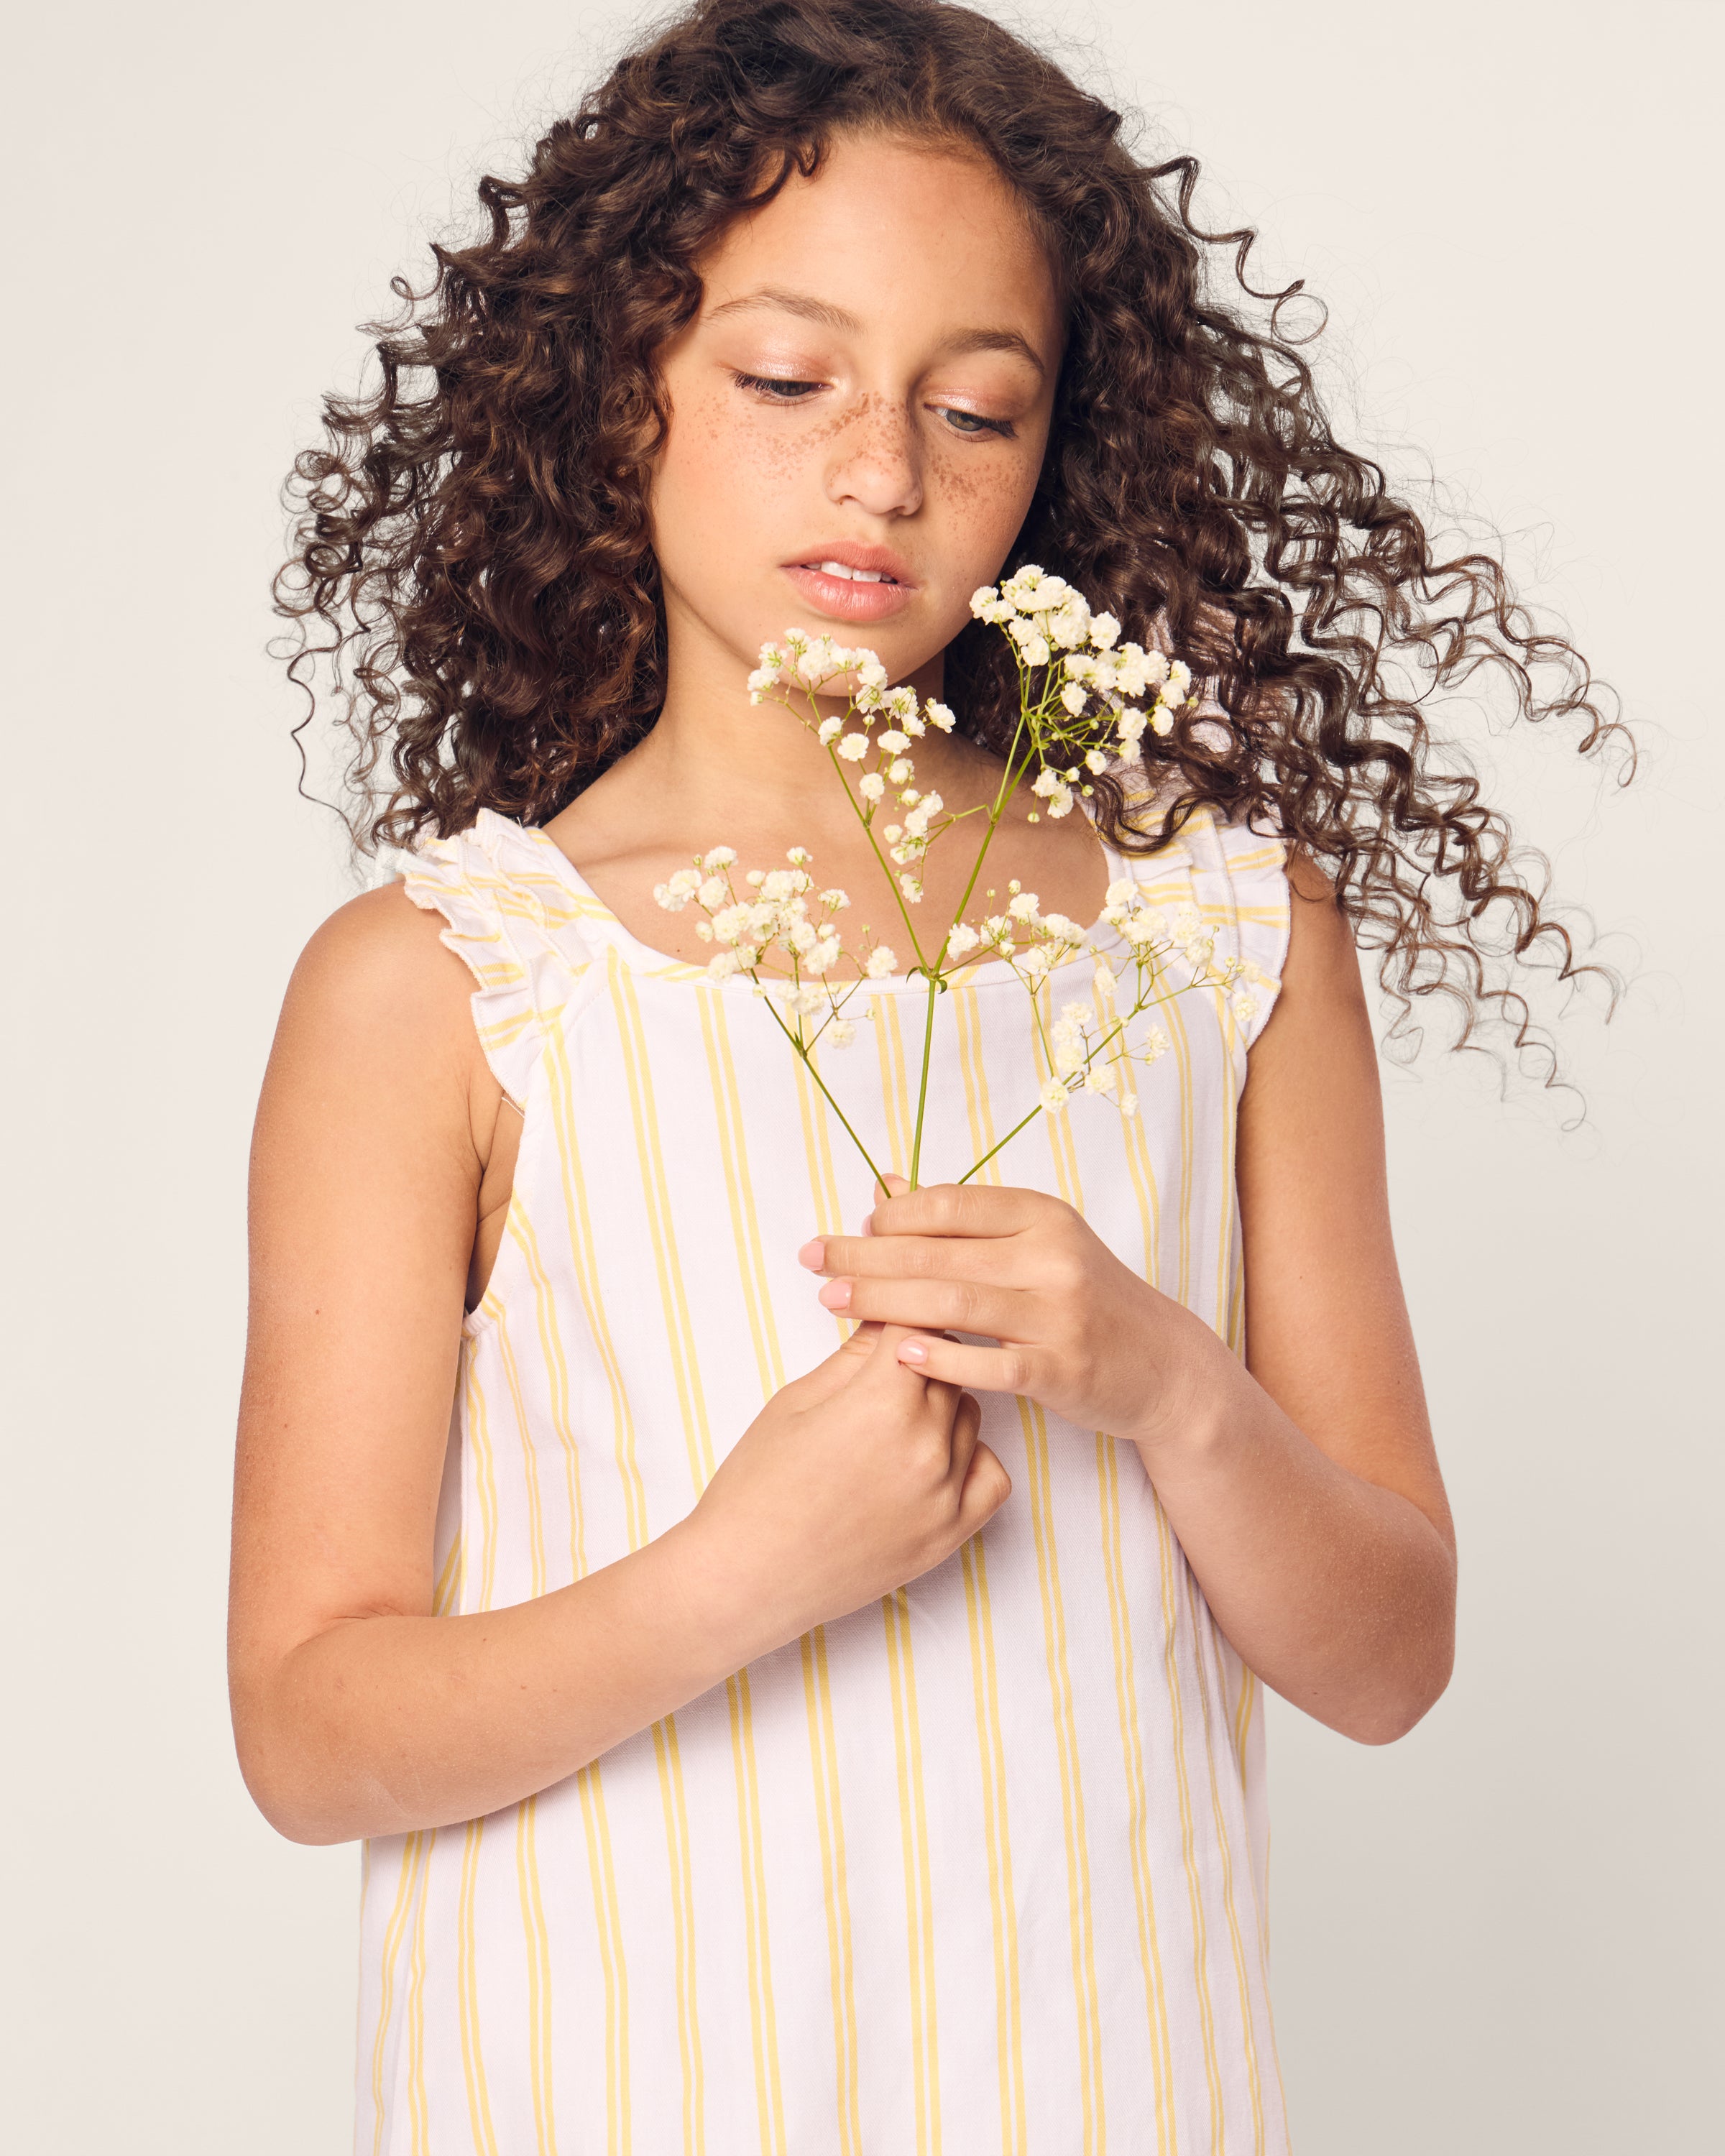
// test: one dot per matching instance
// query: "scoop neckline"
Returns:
(643, 958)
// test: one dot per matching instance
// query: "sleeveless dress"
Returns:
(978, 1867)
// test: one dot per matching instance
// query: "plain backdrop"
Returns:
(1497, 1935)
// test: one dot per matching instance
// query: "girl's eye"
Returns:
(973, 424)
(773, 390)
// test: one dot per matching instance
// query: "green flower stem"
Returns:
(808, 1062)
(1005, 1142)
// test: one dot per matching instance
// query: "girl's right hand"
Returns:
(852, 1480)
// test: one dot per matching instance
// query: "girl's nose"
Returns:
(875, 462)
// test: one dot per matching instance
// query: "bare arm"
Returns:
(1307, 1495)
(1303, 1486)
(355, 1710)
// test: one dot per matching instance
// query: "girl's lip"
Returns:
(845, 598)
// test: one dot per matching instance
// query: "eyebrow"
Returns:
(840, 318)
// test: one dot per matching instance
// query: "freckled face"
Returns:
(867, 386)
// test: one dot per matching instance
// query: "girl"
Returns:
(808, 1696)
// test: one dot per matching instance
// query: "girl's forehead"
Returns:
(885, 215)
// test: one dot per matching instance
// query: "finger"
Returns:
(939, 1257)
(933, 1306)
(833, 1372)
(900, 1385)
(962, 1208)
(1007, 1369)
(967, 1428)
(986, 1487)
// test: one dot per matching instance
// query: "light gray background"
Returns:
(1498, 1935)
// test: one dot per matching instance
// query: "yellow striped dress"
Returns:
(978, 1867)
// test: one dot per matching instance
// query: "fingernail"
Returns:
(912, 1351)
(836, 1294)
(812, 1254)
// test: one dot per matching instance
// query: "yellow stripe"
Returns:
(1162, 2057)
(1201, 1619)
(680, 1330)
(888, 1042)
(392, 1931)
(1003, 1906)
(925, 2053)
(473, 2063)
(1009, 2038)
(609, 1931)
(419, 2103)
(529, 1459)
(668, 1753)
(1167, 1555)
(478, 1428)
(733, 1153)
(769, 2098)
(823, 1761)
(444, 1594)
(1060, 1681)
(587, 1274)
(557, 1374)
(817, 1696)
(538, 1945)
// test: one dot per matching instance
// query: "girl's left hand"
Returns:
(1080, 1332)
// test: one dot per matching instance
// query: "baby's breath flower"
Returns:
(1129, 1104)
(854, 747)
(868, 670)
(1055, 1096)
(962, 938)
(939, 716)
(840, 1032)
(899, 769)
(1071, 626)
(834, 899)
(1094, 761)
(1073, 698)
(829, 732)
(722, 965)
(871, 785)
(1104, 629)
(1023, 906)
(713, 893)
(882, 960)
(912, 887)
(893, 740)
(1179, 680)
(799, 857)
(757, 877)
(718, 857)
(1062, 928)
(1100, 1078)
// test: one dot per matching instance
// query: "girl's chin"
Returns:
(844, 599)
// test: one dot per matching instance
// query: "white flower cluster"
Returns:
(886, 777)
(1094, 707)
(1085, 701)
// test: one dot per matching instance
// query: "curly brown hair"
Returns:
(472, 555)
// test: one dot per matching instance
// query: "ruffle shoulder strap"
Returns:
(1236, 877)
(512, 923)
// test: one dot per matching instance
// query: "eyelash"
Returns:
(763, 384)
